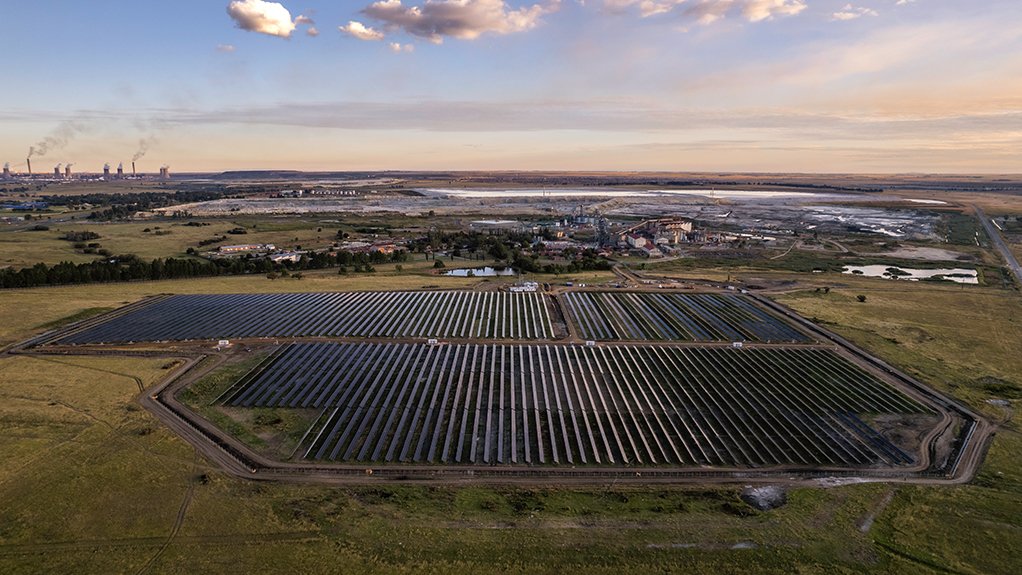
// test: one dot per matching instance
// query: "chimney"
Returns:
(67, 171)
(7, 171)
(106, 171)
(165, 172)
(56, 171)
(132, 168)
(120, 170)
(29, 162)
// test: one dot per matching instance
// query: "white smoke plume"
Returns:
(61, 136)
(143, 148)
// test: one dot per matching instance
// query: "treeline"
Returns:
(499, 246)
(588, 260)
(125, 268)
(122, 206)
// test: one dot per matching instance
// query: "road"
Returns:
(998, 240)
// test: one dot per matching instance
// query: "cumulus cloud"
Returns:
(464, 19)
(361, 31)
(307, 21)
(398, 48)
(708, 11)
(270, 18)
(850, 12)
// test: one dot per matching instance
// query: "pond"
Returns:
(958, 275)
(486, 272)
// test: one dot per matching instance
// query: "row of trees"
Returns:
(124, 206)
(588, 260)
(132, 268)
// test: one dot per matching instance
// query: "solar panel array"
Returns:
(559, 404)
(677, 317)
(448, 314)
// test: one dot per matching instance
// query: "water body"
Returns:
(616, 193)
(486, 272)
(957, 275)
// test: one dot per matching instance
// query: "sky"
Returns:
(880, 86)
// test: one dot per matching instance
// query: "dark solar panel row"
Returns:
(574, 405)
(676, 317)
(492, 315)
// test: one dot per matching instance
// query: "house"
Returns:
(636, 241)
(246, 248)
(290, 257)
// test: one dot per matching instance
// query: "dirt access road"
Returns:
(998, 240)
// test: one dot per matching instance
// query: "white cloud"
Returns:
(225, 48)
(757, 10)
(465, 19)
(361, 31)
(398, 48)
(709, 11)
(270, 18)
(850, 12)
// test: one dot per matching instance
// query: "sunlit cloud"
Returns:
(270, 18)
(361, 31)
(709, 11)
(463, 19)
(851, 12)
(399, 48)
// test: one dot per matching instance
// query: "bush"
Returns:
(861, 298)
(438, 264)
(79, 236)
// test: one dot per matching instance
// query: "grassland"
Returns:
(92, 484)
(166, 238)
(962, 340)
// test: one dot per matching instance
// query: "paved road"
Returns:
(995, 236)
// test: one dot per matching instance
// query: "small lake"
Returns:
(957, 275)
(486, 272)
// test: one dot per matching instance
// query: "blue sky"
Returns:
(737, 85)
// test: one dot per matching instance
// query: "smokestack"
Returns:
(67, 171)
(120, 170)
(106, 171)
(132, 168)
(29, 162)
(56, 171)
(7, 171)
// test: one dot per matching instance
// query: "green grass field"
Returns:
(93, 484)
(165, 238)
